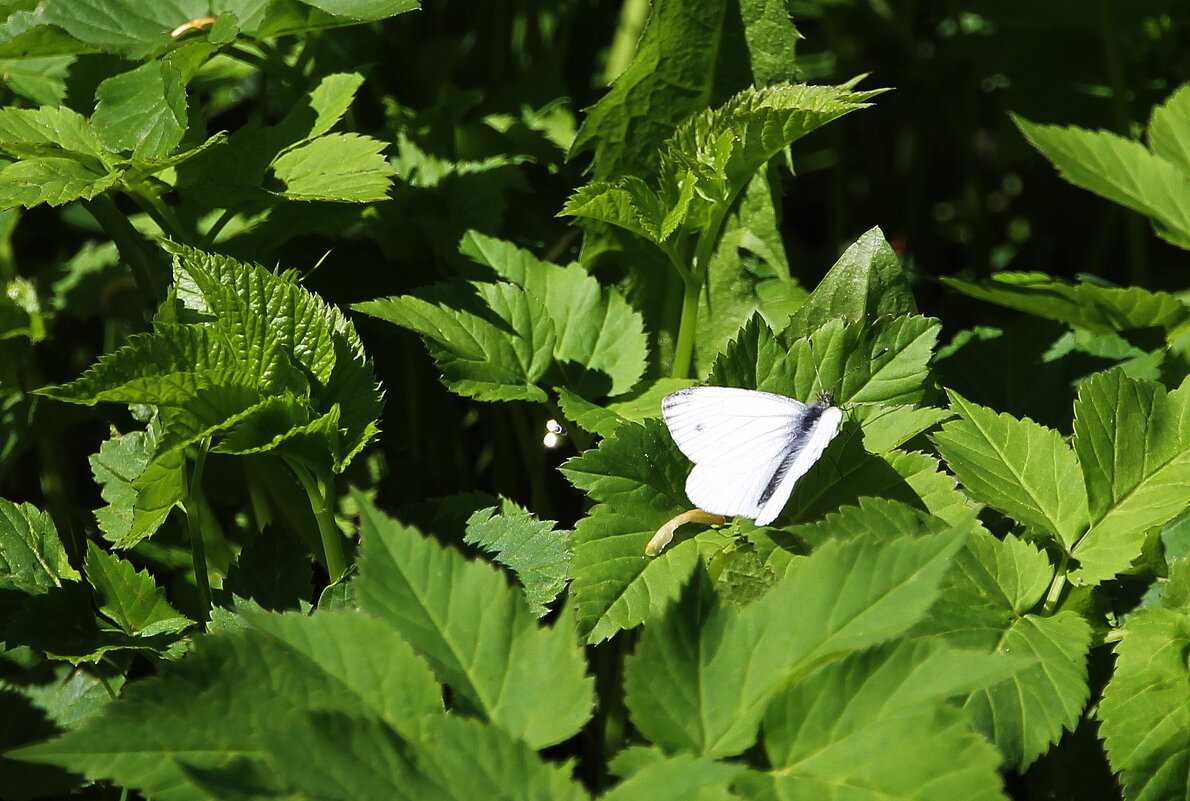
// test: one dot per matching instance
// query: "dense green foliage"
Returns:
(294, 289)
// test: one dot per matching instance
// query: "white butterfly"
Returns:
(748, 447)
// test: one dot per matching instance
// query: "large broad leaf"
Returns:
(1145, 713)
(531, 548)
(987, 602)
(330, 662)
(1016, 466)
(32, 558)
(600, 346)
(701, 676)
(476, 632)
(1133, 445)
(1121, 170)
(876, 726)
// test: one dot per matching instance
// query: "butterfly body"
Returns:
(749, 448)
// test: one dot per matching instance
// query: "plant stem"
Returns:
(152, 205)
(131, 243)
(1056, 587)
(318, 490)
(695, 278)
(209, 237)
(684, 350)
(198, 552)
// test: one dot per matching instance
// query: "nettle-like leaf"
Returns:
(711, 157)
(1144, 713)
(668, 79)
(987, 602)
(878, 720)
(702, 674)
(1154, 181)
(32, 558)
(538, 554)
(1085, 305)
(260, 365)
(475, 631)
(542, 326)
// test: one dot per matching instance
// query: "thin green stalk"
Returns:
(319, 489)
(684, 350)
(131, 243)
(152, 205)
(209, 237)
(1056, 587)
(193, 516)
(695, 278)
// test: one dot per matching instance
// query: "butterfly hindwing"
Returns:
(749, 447)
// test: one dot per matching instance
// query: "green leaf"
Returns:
(876, 725)
(641, 404)
(492, 342)
(32, 558)
(272, 570)
(537, 553)
(600, 346)
(332, 662)
(364, 10)
(1133, 445)
(1091, 306)
(140, 491)
(338, 167)
(702, 675)
(865, 283)
(126, 27)
(1016, 466)
(50, 131)
(1122, 170)
(636, 477)
(1144, 713)
(130, 598)
(258, 359)
(748, 273)
(678, 778)
(476, 632)
(985, 604)
(1169, 129)
(55, 181)
(42, 80)
(142, 110)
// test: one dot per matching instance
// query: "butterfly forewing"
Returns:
(749, 447)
